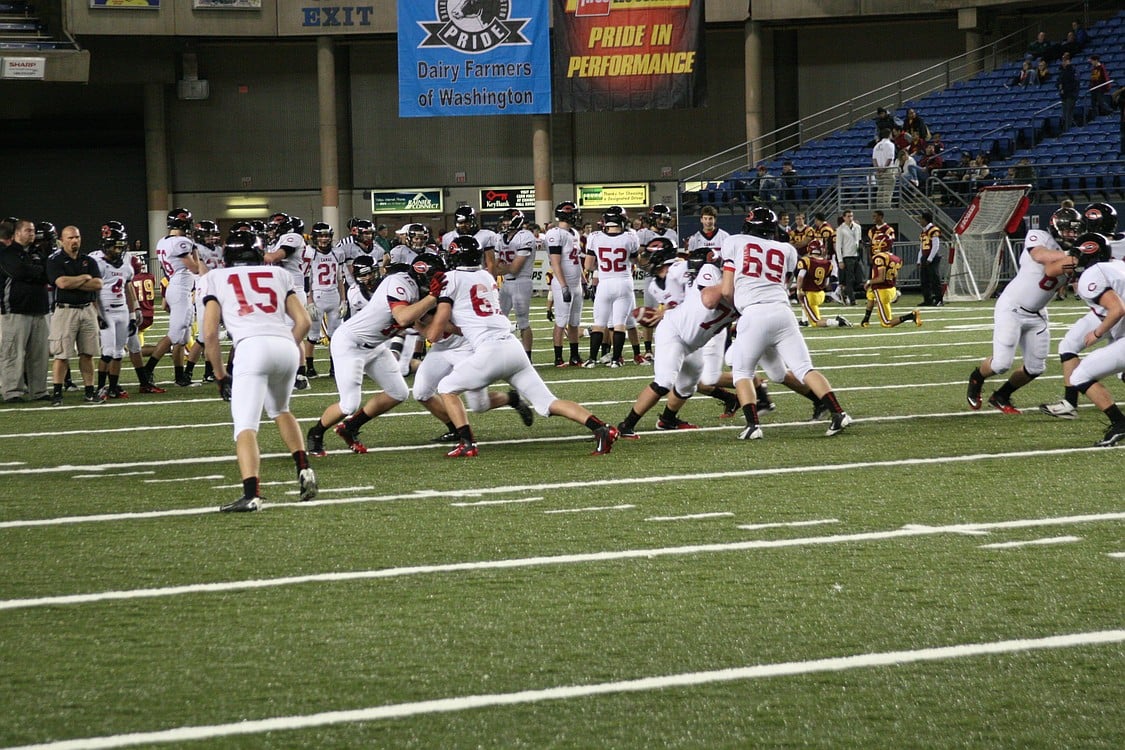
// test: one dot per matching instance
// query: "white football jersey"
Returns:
(211, 258)
(761, 269)
(476, 305)
(613, 254)
(374, 324)
(647, 235)
(569, 243)
(1031, 288)
(325, 270)
(358, 298)
(486, 238)
(671, 292)
(293, 245)
(1117, 247)
(403, 254)
(521, 245)
(115, 278)
(252, 299)
(699, 240)
(170, 253)
(1094, 282)
(693, 323)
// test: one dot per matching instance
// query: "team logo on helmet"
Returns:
(815, 248)
(1089, 249)
(474, 26)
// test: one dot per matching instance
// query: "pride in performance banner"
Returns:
(473, 57)
(629, 54)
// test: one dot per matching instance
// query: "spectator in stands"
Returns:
(931, 160)
(1043, 48)
(768, 186)
(959, 178)
(900, 138)
(916, 128)
(1023, 77)
(1070, 46)
(1042, 71)
(883, 160)
(1023, 172)
(1080, 34)
(909, 171)
(1068, 91)
(1100, 83)
(980, 174)
(883, 121)
(788, 182)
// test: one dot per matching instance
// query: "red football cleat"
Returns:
(464, 450)
(351, 438)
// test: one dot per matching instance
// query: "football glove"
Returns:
(343, 310)
(102, 324)
(566, 294)
(132, 328)
(224, 387)
(436, 284)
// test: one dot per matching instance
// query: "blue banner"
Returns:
(473, 57)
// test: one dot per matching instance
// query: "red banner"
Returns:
(628, 54)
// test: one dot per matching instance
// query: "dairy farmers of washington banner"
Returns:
(473, 57)
(628, 54)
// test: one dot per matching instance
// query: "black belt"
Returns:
(1030, 312)
(114, 307)
(368, 346)
(72, 306)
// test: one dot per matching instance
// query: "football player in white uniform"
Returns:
(366, 281)
(180, 262)
(1020, 318)
(468, 299)
(326, 284)
(360, 347)
(287, 249)
(515, 261)
(465, 221)
(1102, 287)
(564, 252)
(117, 309)
(1102, 219)
(209, 249)
(361, 243)
(756, 273)
(267, 322)
(658, 225)
(611, 252)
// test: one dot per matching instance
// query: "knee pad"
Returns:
(1031, 376)
(107, 359)
(1083, 387)
(684, 396)
(1067, 357)
(661, 391)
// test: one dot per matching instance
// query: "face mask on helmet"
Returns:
(660, 257)
(465, 220)
(660, 216)
(179, 219)
(363, 268)
(567, 211)
(815, 248)
(513, 220)
(242, 249)
(1065, 225)
(322, 236)
(1089, 249)
(364, 232)
(417, 236)
(279, 224)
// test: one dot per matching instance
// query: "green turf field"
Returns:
(930, 578)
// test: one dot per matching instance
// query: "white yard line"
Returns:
(591, 509)
(183, 479)
(526, 488)
(1118, 555)
(691, 516)
(513, 500)
(571, 692)
(545, 560)
(779, 524)
(118, 474)
(1032, 542)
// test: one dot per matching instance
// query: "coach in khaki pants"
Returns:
(77, 280)
(23, 308)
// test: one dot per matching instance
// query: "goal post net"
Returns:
(981, 239)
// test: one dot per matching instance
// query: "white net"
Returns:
(981, 240)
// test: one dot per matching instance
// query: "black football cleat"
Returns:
(306, 481)
(314, 444)
(521, 407)
(604, 438)
(839, 422)
(242, 505)
(447, 437)
(973, 393)
(1113, 435)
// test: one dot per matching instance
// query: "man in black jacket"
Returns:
(1068, 91)
(24, 306)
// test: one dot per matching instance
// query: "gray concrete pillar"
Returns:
(158, 190)
(752, 54)
(326, 119)
(541, 167)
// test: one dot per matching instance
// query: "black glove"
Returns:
(132, 328)
(224, 388)
(593, 290)
(550, 314)
(566, 294)
(102, 324)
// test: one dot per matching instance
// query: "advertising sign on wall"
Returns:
(628, 54)
(604, 196)
(509, 197)
(473, 57)
(423, 201)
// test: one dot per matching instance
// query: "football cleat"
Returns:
(103, 393)
(1003, 404)
(864, 324)
(314, 444)
(605, 359)
(973, 394)
(311, 373)
(1112, 436)
(639, 359)
(306, 480)
(821, 410)
(521, 407)
(242, 505)
(604, 438)
(95, 398)
(183, 380)
(70, 385)
(731, 407)
(803, 323)
(590, 364)
(447, 437)
(648, 358)
(209, 377)
(752, 432)
(839, 422)
(464, 450)
(56, 400)
(626, 433)
(560, 363)
(843, 322)
(151, 388)
(765, 406)
(302, 383)
(349, 437)
(118, 393)
(676, 424)
(576, 362)
(1063, 410)
(615, 363)
(917, 318)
